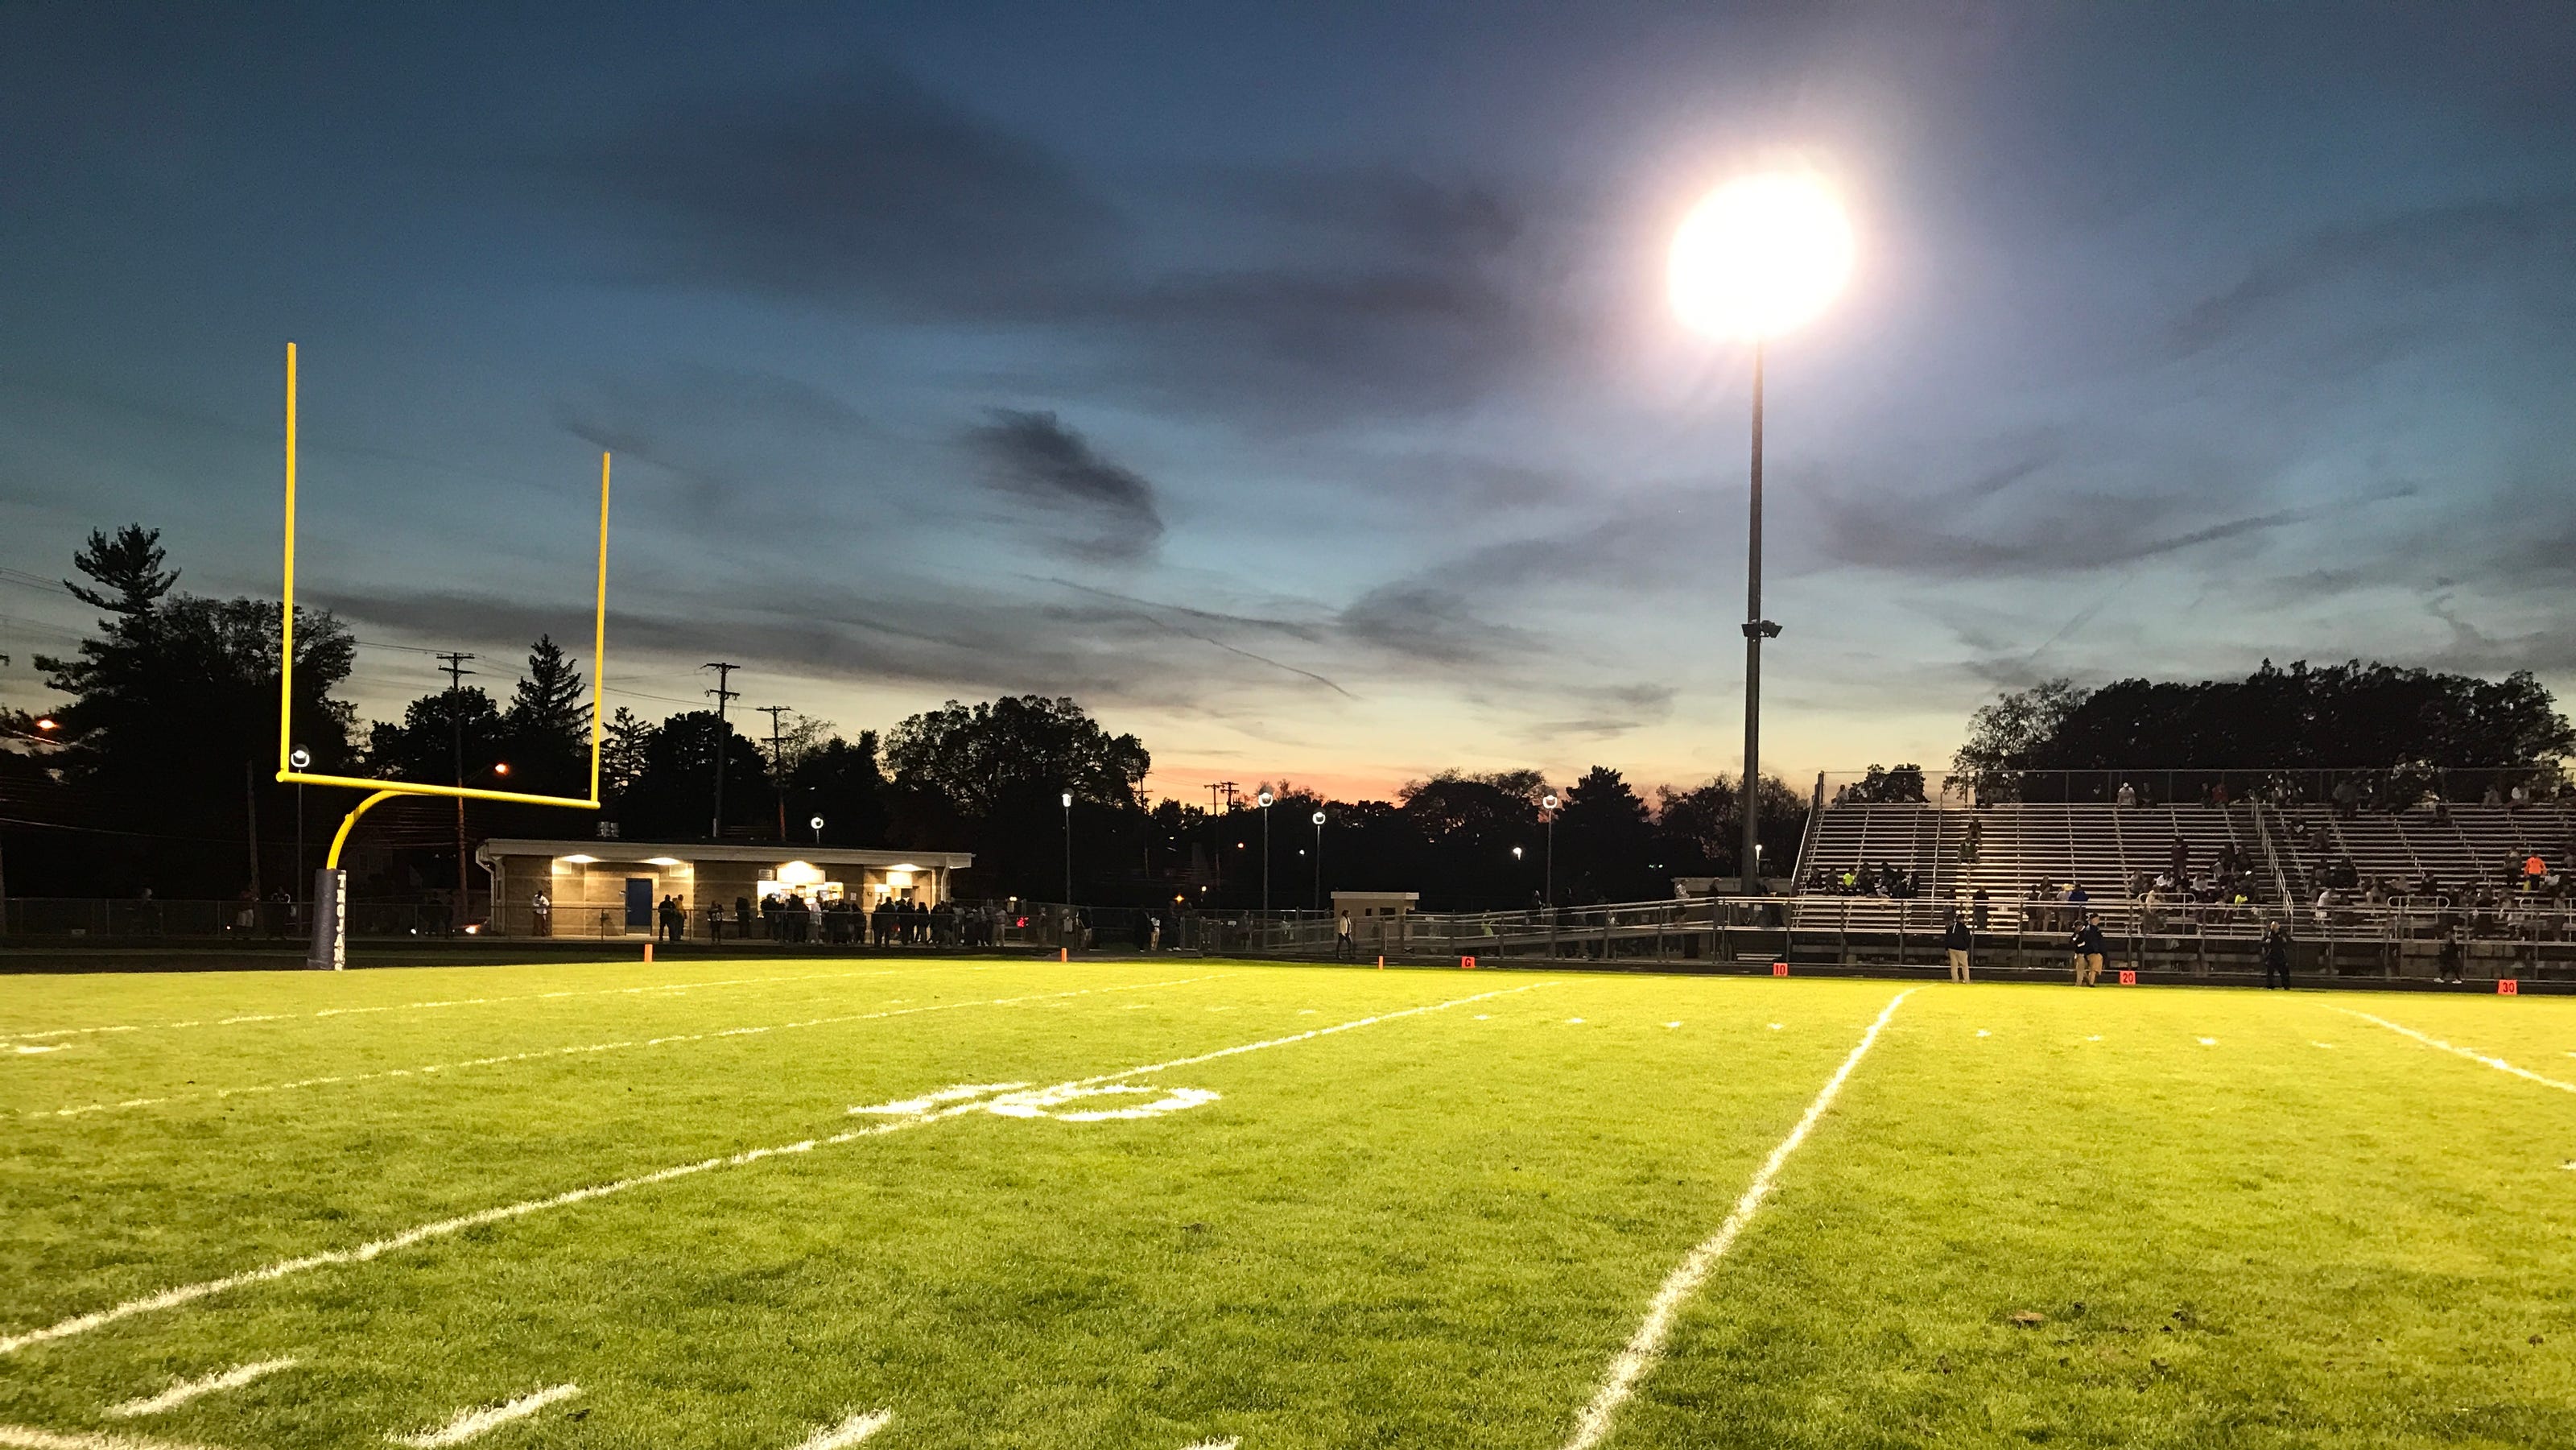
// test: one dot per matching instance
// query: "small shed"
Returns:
(1380, 920)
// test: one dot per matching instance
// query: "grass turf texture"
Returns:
(1432, 1231)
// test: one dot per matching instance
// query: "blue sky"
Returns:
(1294, 385)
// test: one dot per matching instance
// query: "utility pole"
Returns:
(777, 759)
(724, 676)
(454, 665)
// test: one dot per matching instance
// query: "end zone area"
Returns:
(1186, 1203)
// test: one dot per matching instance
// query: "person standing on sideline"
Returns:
(1957, 939)
(1342, 937)
(2089, 951)
(2454, 956)
(2276, 956)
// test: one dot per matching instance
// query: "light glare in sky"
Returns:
(1761, 255)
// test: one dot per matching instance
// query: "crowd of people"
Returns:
(1869, 878)
(792, 917)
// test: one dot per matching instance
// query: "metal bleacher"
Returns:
(2455, 848)
(2106, 849)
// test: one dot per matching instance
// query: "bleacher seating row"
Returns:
(2108, 849)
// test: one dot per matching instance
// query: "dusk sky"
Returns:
(1296, 386)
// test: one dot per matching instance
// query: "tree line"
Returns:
(157, 773)
(2413, 730)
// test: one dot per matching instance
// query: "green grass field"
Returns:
(2032, 1215)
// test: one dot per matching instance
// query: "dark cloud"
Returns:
(2527, 245)
(1424, 620)
(1033, 456)
(955, 641)
(857, 184)
(1294, 294)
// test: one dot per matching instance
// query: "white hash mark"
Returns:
(849, 1432)
(471, 1423)
(186, 1390)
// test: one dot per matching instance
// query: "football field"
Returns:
(815, 1203)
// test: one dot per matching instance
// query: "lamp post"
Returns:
(302, 760)
(1068, 848)
(1265, 798)
(817, 825)
(1319, 861)
(1760, 255)
(1547, 878)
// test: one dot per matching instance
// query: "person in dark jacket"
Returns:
(2090, 949)
(2454, 956)
(2276, 956)
(1958, 939)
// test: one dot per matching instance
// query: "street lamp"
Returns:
(1068, 848)
(817, 825)
(1319, 861)
(1547, 881)
(1762, 254)
(1265, 798)
(302, 760)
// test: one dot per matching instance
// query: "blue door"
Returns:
(639, 903)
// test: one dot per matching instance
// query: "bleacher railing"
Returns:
(2372, 788)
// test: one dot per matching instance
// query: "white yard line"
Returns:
(847, 1433)
(186, 1390)
(1647, 1344)
(673, 987)
(471, 1423)
(376, 1248)
(23, 1437)
(2498, 1063)
(580, 1049)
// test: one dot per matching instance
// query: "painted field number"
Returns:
(2508, 987)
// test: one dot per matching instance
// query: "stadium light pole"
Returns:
(1762, 254)
(1318, 904)
(1265, 798)
(1547, 876)
(302, 760)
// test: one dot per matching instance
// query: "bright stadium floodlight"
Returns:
(1762, 254)
(330, 944)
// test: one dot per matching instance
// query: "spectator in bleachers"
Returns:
(2493, 797)
(2347, 799)
(2455, 953)
(2178, 859)
(2128, 794)
(1979, 908)
(1973, 842)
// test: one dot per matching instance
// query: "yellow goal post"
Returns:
(384, 790)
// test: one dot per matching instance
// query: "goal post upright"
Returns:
(330, 943)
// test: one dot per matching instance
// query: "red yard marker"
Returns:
(1465, 964)
(2508, 987)
(2128, 978)
(1779, 969)
(1064, 954)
